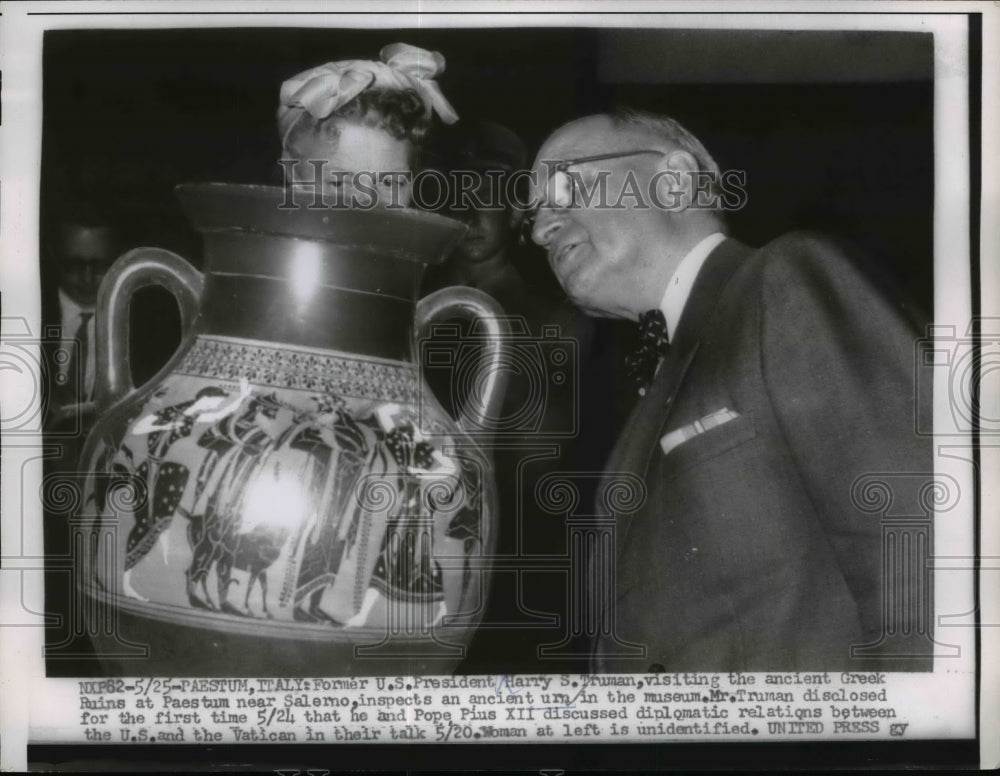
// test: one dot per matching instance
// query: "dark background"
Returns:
(834, 129)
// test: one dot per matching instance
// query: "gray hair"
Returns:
(671, 131)
(668, 129)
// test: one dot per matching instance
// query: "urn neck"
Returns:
(310, 293)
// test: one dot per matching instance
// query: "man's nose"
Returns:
(547, 224)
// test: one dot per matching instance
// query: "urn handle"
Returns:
(490, 380)
(136, 269)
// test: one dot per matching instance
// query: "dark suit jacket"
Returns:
(749, 553)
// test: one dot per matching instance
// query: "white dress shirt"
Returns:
(680, 285)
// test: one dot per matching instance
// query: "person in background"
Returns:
(359, 125)
(82, 249)
(483, 159)
(78, 247)
(483, 156)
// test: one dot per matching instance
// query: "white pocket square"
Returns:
(679, 436)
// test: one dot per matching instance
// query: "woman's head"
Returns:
(361, 144)
(358, 125)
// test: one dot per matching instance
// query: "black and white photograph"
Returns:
(587, 374)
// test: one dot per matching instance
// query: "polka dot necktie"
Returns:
(642, 363)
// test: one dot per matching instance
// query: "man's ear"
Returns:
(675, 180)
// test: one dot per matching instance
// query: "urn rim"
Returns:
(213, 207)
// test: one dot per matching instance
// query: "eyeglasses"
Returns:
(564, 187)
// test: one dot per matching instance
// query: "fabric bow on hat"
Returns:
(321, 90)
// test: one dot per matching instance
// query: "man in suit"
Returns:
(79, 248)
(83, 254)
(787, 377)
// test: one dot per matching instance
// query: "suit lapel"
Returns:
(635, 452)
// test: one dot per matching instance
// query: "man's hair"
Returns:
(400, 114)
(668, 129)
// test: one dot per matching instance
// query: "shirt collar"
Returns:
(680, 285)
(69, 308)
